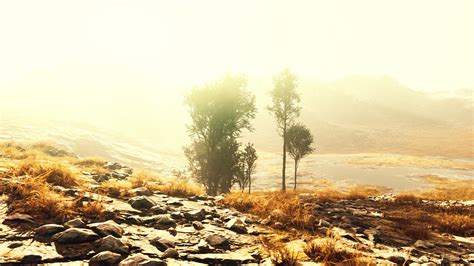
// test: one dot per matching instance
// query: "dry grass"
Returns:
(33, 196)
(289, 208)
(407, 199)
(286, 208)
(37, 150)
(180, 188)
(327, 251)
(52, 172)
(93, 209)
(460, 224)
(280, 254)
(116, 188)
(88, 162)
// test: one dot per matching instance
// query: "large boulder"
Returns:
(107, 228)
(105, 258)
(75, 235)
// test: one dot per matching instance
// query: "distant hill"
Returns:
(365, 114)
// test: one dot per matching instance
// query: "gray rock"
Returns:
(141, 203)
(49, 229)
(195, 215)
(162, 244)
(105, 258)
(236, 225)
(75, 223)
(75, 235)
(163, 222)
(113, 244)
(170, 253)
(218, 241)
(134, 260)
(198, 225)
(107, 228)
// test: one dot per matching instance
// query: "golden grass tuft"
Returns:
(93, 209)
(326, 250)
(116, 188)
(286, 208)
(33, 196)
(52, 172)
(180, 188)
(460, 224)
(280, 254)
(407, 199)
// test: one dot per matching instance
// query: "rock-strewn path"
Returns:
(155, 229)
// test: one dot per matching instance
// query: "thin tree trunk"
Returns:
(296, 169)
(283, 171)
(250, 183)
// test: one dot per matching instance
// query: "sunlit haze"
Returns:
(128, 64)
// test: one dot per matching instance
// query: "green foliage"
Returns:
(219, 113)
(247, 165)
(299, 143)
(285, 107)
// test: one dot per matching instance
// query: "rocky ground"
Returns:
(152, 228)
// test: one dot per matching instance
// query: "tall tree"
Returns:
(219, 112)
(285, 107)
(250, 158)
(299, 144)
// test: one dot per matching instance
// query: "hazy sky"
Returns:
(426, 44)
(135, 59)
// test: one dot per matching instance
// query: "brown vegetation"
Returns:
(327, 251)
(33, 196)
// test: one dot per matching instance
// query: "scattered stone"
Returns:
(195, 215)
(107, 228)
(15, 245)
(164, 222)
(105, 258)
(142, 203)
(49, 229)
(236, 225)
(170, 253)
(172, 231)
(198, 225)
(75, 223)
(113, 244)
(218, 241)
(75, 235)
(134, 260)
(174, 203)
(162, 244)
(31, 259)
